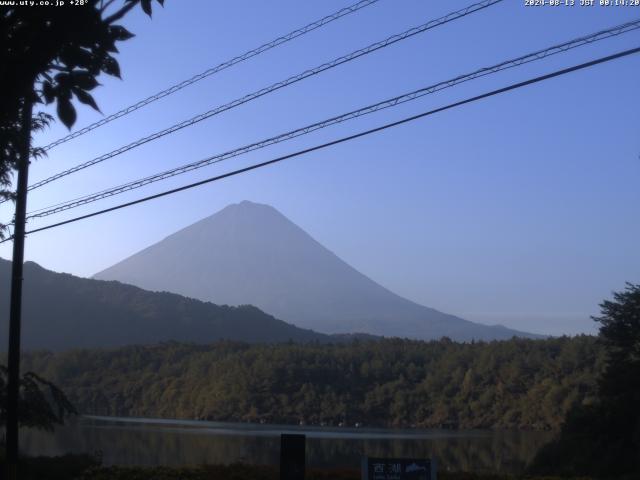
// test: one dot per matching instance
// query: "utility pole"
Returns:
(13, 384)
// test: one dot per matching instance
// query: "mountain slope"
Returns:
(63, 311)
(249, 253)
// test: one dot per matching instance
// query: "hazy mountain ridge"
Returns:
(249, 253)
(63, 311)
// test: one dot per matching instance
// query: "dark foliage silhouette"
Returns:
(42, 404)
(603, 438)
(53, 55)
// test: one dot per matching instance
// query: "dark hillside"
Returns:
(63, 311)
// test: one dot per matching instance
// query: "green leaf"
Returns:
(120, 33)
(74, 57)
(63, 92)
(48, 92)
(62, 79)
(84, 80)
(110, 67)
(86, 98)
(146, 6)
(66, 112)
(112, 49)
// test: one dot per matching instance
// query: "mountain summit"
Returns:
(250, 253)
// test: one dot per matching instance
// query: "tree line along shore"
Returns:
(514, 384)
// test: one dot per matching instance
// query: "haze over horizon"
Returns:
(516, 211)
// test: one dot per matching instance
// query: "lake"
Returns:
(138, 441)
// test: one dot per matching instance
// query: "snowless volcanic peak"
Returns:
(249, 253)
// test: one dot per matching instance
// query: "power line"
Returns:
(218, 68)
(392, 102)
(276, 86)
(514, 86)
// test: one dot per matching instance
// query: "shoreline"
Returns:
(311, 431)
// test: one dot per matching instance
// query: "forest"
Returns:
(515, 384)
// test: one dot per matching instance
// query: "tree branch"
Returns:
(122, 12)
(105, 6)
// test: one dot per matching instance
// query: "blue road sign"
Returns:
(398, 469)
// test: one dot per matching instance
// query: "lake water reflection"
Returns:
(129, 441)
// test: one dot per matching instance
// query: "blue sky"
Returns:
(521, 209)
